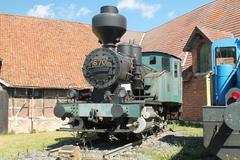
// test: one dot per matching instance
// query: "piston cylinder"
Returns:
(148, 112)
(61, 111)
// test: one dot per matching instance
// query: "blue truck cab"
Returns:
(221, 120)
(225, 69)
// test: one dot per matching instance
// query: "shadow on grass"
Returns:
(192, 148)
(91, 143)
(63, 141)
(186, 124)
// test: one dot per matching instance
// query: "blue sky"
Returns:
(142, 15)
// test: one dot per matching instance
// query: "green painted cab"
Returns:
(165, 83)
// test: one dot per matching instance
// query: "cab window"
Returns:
(152, 60)
(225, 55)
(166, 64)
(175, 69)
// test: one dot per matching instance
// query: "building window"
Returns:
(38, 93)
(20, 93)
(203, 58)
(166, 64)
(152, 60)
(62, 93)
(50, 94)
(10, 92)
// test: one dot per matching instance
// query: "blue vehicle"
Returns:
(221, 120)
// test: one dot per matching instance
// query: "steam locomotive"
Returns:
(221, 120)
(133, 91)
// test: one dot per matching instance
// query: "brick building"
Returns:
(40, 59)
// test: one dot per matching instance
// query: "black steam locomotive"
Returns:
(133, 92)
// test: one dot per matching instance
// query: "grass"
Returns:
(187, 144)
(189, 129)
(154, 155)
(11, 144)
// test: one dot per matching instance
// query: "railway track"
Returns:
(130, 146)
(112, 153)
(75, 153)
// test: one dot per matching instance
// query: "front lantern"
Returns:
(232, 96)
(235, 95)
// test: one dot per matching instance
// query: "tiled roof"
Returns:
(220, 15)
(213, 34)
(44, 53)
(208, 33)
(133, 37)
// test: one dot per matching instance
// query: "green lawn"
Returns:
(18, 143)
(187, 129)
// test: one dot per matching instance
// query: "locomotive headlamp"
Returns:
(235, 95)
(122, 93)
(72, 93)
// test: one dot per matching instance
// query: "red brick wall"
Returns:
(194, 91)
(194, 97)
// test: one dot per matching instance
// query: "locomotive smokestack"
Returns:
(109, 26)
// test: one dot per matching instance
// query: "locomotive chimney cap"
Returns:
(109, 26)
(109, 9)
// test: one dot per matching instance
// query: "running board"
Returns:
(95, 130)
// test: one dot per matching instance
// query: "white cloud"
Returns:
(172, 14)
(147, 10)
(83, 11)
(72, 12)
(43, 11)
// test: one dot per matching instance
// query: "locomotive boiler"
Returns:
(221, 120)
(133, 91)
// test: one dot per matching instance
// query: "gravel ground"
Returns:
(33, 155)
(169, 146)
